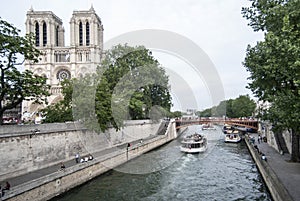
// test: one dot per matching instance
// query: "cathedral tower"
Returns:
(57, 61)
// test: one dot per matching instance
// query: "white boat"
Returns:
(208, 127)
(233, 136)
(194, 143)
(227, 129)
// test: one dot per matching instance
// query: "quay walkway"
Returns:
(18, 182)
(287, 173)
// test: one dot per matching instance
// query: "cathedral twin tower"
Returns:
(57, 61)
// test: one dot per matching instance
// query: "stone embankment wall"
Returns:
(23, 150)
(266, 130)
(288, 140)
(51, 185)
(277, 190)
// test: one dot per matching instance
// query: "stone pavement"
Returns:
(287, 172)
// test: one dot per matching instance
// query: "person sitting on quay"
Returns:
(62, 166)
(6, 188)
(86, 159)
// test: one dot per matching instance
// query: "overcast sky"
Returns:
(216, 26)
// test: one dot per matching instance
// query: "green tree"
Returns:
(175, 114)
(78, 102)
(132, 83)
(243, 106)
(221, 109)
(83, 99)
(205, 113)
(229, 108)
(18, 86)
(274, 63)
(62, 110)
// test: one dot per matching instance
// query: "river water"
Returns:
(224, 172)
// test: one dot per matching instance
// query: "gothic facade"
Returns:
(57, 61)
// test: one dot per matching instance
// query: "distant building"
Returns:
(59, 62)
(191, 112)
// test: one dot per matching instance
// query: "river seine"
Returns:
(224, 172)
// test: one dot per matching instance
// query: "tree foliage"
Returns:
(62, 110)
(16, 86)
(175, 114)
(204, 113)
(133, 86)
(243, 106)
(274, 63)
(78, 102)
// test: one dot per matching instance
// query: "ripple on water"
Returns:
(224, 172)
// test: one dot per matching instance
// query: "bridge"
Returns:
(247, 123)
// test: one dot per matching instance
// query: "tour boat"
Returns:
(233, 136)
(194, 143)
(227, 129)
(208, 127)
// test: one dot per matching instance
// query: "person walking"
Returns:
(77, 157)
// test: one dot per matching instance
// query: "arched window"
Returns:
(80, 34)
(56, 36)
(37, 34)
(44, 34)
(87, 31)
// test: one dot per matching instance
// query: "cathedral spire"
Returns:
(92, 8)
(31, 9)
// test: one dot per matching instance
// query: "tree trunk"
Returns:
(295, 155)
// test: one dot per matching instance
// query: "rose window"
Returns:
(63, 74)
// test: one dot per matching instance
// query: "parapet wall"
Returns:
(277, 190)
(51, 185)
(24, 151)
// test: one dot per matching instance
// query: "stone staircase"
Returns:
(281, 143)
(163, 128)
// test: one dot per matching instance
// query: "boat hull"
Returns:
(209, 128)
(193, 150)
(232, 139)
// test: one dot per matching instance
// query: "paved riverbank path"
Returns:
(18, 181)
(287, 172)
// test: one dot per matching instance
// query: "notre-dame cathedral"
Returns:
(57, 61)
